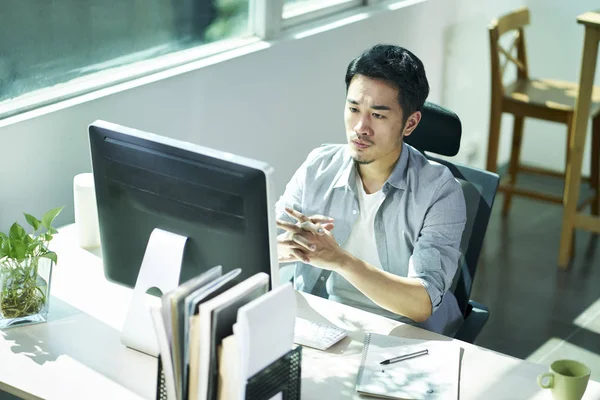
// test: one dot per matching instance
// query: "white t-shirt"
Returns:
(361, 244)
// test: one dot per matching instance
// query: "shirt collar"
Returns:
(397, 178)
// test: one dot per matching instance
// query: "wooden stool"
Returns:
(571, 217)
(545, 99)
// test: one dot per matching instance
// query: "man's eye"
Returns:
(353, 109)
(378, 116)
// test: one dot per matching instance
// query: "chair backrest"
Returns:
(479, 188)
(442, 131)
(514, 22)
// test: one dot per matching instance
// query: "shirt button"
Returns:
(354, 212)
(322, 278)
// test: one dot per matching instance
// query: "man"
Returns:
(373, 223)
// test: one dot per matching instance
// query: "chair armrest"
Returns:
(476, 317)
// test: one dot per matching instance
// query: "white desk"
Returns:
(78, 354)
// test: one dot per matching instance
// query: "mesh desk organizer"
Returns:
(281, 376)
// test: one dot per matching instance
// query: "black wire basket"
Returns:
(281, 376)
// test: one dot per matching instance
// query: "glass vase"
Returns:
(24, 291)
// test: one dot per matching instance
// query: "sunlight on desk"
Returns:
(590, 318)
(79, 279)
(77, 354)
(556, 349)
(45, 362)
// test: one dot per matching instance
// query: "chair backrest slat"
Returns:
(511, 21)
(515, 22)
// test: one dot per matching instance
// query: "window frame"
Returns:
(266, 22)
(311, 13)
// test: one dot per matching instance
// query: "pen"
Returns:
(405, 357)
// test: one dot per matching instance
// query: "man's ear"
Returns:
(411, 123)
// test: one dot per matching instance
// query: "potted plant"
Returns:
(25, 271)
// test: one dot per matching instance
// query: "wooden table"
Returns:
(571, 217)
(78, 354)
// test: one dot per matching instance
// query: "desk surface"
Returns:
(78, 354)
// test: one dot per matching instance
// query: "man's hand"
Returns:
(289, 250)
(312, 242)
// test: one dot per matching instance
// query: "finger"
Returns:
(288, 226)
(328, 227)
(288, 258)
(300, 255)
(320, 219)
(290, 244)
(296, 214)
(304, 242)
(310, 227)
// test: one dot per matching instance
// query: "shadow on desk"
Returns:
(28, 342)
(73, 338)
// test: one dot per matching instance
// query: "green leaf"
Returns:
(2, 254)
(48, 237)
(19, 251)
(6, 246)
(53, 231)
(31, 248)
(49, 217)
(17, 232)
(33, 221)
(3, 237)
(51, 255)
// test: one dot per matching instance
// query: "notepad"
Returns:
(434, 376)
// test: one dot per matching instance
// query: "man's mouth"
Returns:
(360, 144)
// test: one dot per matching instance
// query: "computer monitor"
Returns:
(220, 201)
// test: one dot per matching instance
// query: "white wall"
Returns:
(554, 43)
(274, 105)
(279, 103)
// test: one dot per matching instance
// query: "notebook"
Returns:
(433, 376)
(266, 329)
(216, 319)
(175, 302)
(192, 303)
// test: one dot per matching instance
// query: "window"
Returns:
(44, 43)
(298, 11)
(52, 50)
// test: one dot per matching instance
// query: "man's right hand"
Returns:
(290, 251)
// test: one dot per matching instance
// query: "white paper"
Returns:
(265, 329)
(433, 376)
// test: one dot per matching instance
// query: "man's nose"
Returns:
(363, 127)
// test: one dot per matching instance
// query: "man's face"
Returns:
(374, 120)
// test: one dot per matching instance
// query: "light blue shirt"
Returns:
(418, 227)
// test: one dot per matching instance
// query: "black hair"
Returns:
(396, 66)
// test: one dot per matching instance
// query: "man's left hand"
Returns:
(322, 249)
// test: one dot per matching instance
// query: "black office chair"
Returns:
(439, 132)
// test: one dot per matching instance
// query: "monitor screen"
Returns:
(219, 201)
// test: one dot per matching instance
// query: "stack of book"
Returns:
(216, 330)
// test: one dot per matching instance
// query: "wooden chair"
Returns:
(546, 99)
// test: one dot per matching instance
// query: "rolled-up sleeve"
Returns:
(437, 249)
(291, 197)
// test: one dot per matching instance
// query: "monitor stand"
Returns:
(161, 267)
